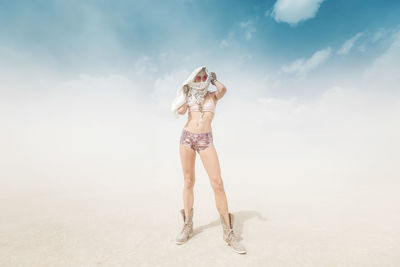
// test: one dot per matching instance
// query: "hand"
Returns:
(185, 88)
(213, 77)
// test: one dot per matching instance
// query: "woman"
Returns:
(196, 135)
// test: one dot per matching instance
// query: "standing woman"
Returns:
(196, 135)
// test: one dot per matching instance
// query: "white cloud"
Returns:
(87, 82)
(294, 11)
(165, 88)
(272, 81)
(144, 64)
(302, 66)
(294, 66)
(361, 48)
(248, 27)
(348, 45)
(95, 126)
(381, 33)
(385, 69)
(378, 35)
(344, 126)
(278, 109)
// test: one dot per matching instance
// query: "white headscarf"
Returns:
(197, 91)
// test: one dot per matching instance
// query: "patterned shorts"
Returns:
(196, 141)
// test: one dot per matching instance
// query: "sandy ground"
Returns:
(105, 220)
(100, 184)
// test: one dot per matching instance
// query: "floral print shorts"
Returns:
(196, 141)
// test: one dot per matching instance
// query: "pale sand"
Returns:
(91, 181)
(113, 221)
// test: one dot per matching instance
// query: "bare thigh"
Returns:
(210, 161)
(188, 157)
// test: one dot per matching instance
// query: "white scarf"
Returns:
(197, 91)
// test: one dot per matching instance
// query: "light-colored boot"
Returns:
(187, 228)
(229, 235)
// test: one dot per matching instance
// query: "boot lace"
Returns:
(231, 236)
(186, 227)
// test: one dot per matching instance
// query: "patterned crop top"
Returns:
(208, 105)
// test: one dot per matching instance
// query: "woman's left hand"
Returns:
(213, 77)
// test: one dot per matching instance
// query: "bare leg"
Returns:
(188, 157)
(210, 161)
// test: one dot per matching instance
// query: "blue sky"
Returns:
(288, 41)
(99, 30)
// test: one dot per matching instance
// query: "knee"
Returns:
(189, 181)
(217, 185)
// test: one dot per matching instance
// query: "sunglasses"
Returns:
(198, 78)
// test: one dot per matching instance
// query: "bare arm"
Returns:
(182, 109)
(221, 90)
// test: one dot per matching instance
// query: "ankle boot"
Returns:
(229, 235)
(187, 228)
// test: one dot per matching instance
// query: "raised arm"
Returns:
(221, 88)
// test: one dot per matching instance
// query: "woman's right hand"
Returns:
(185, 88)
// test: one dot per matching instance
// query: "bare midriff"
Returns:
(197, 125)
